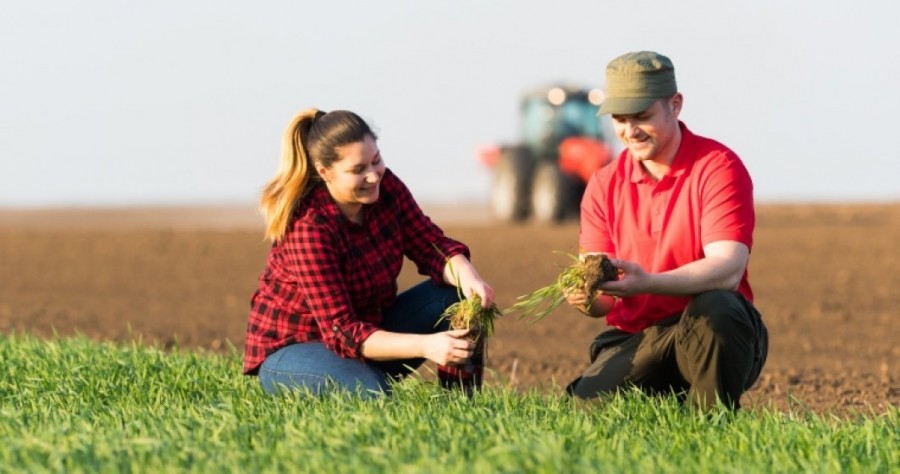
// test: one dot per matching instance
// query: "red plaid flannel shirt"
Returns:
(329, 279)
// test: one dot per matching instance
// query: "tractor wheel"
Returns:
(553, 194)
(511, 190)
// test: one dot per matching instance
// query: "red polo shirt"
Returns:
(706, 196)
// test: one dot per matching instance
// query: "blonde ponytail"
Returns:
(313, 136)
(293, 179)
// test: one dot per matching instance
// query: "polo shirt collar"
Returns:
(684, 158)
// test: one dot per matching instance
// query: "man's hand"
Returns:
(633, 280)
(721, 269)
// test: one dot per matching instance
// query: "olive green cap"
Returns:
(635, 80)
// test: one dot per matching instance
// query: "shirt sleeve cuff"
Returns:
(347, 340)
(448, 250)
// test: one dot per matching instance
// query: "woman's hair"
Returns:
(312, 137)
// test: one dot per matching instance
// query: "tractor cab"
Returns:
(563, 142)
(549, 116)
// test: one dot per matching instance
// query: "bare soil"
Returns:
(826, 279)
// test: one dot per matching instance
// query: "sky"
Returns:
(116, 103)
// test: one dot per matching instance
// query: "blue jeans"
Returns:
(315, 368)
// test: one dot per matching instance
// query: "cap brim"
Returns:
(625, 105)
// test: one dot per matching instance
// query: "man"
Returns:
(675, 215)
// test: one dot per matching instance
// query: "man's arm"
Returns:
(721, 269)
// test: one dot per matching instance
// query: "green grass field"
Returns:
(78, 406)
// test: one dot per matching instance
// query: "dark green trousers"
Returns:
(714, 350)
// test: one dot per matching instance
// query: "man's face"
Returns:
(651, 134)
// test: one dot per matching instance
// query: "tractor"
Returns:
(563, 142)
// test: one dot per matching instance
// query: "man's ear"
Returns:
(675, 103)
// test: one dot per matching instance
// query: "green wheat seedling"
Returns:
(75, 405)
(468, 313)
(541, 302)
(582, 273)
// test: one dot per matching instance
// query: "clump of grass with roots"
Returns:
(586, 273)
(468, 313)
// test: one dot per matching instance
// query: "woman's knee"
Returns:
(443, 296)
(419, 310)
(275, 382)
(311, 367)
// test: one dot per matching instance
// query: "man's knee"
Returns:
(721, 311)
(722, 327)
(713, 301)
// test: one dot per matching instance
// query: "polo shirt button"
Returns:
(335, 328)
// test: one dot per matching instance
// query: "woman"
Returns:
(326, 313)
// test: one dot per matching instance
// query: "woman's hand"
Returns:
(448, 347)
(576, 297)
(461, 273)
(481, 288)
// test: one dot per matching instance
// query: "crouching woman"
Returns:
(327, 314)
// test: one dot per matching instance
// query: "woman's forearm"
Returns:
(458, 269)
(386, 345)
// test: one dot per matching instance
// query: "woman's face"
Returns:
(355, 178)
